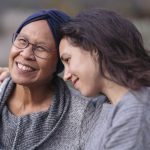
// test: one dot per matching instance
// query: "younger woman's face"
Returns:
(80, 68)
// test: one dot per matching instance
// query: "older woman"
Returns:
(38, 110)
(104, 53)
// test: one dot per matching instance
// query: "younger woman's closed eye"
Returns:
(66, 60)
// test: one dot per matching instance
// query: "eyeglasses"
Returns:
(21, 42)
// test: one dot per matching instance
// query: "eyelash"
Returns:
(66, 60)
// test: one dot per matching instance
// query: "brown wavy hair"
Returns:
(116, 41)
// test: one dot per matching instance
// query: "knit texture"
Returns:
(55, 129)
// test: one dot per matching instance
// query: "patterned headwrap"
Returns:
(54, 18)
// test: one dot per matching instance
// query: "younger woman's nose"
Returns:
(67, 74)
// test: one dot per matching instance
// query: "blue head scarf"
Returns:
(54, 18)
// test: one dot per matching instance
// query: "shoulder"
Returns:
(142, 95)
(134, 102)
(78, 98)
(87, 102)
(134, 106)
(129, 121)
(95, 100)
(78, 102)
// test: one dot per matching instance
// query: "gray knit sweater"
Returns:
(56, 129)
(125, 126)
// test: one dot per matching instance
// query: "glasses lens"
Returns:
(41, 51)
(19, 41)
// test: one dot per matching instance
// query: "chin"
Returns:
(87, 94)
(20, 81)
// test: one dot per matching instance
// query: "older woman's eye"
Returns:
(41, 48)
(21, 41)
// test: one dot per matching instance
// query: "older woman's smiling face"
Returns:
(25, 67)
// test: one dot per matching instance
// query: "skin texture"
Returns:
(38, 68)
(80, 69)
(32, 75)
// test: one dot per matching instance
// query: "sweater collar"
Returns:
(55, 115)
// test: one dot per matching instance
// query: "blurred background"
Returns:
(13, 12)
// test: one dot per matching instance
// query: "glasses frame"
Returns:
(34, 46)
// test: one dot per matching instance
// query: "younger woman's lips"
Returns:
(75, 81)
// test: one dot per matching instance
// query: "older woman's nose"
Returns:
(28, 53)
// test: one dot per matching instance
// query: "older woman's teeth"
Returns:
(24, 68)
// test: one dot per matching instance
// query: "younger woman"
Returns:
(104, 53)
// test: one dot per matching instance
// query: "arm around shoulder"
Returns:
(4, 73)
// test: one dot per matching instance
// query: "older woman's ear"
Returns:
(4, 73)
